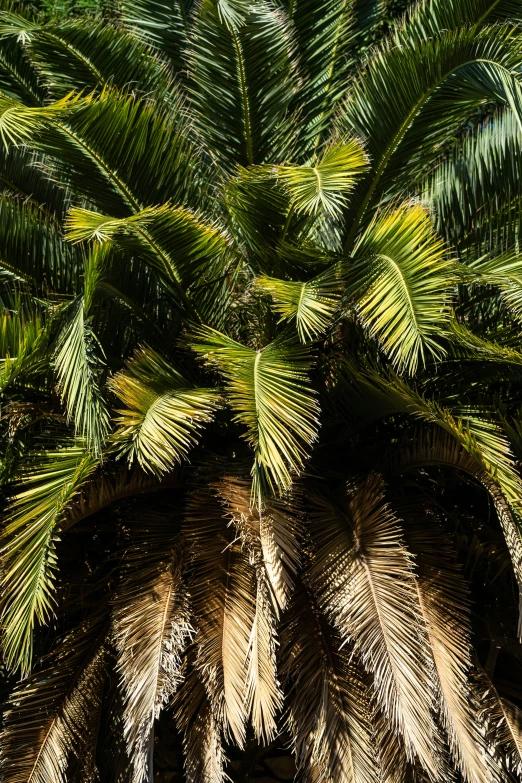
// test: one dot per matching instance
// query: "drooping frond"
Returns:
(151, 629)
(505, 721)
(267, 390)
(444, 604)
(48, 481)
(49, 717)
(329, 706)
(202, 741)
(401, 279)
(164, 413)
(272, 536)
(223, 602)
(363, 577)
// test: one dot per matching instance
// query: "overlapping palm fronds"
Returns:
(260, 290)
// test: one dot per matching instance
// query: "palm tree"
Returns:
(261, 306)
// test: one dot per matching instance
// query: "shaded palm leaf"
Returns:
(50, 716)
(329, 705)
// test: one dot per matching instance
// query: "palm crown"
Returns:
(279, 240)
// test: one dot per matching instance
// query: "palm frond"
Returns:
(325, 186)
(444, 605)
(106, 143)
(503, 272)
(178, 244)
(410, 100)
(223, 601)
(363, 578)
(78, 361)
(311, 304)
(164, 413)
(505, 720)
(243, 92)
(328, 36)
(151, 630)
(202, 741)
(401, 279)
(50, 481)
(267, 390)
(78, 54)
(49, 716)
(164, 25)
(329, 706)
(272, 536)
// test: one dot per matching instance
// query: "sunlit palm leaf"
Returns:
(50, 481)
(267, 389)
(223, 601)
(164, 413)
(151, 630)
(401, 280)
(311, 305)
(325, 186)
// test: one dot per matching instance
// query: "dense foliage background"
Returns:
(260, 424)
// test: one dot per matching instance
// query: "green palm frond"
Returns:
(503, 272)
(411, 100)
(78, 365)
(164, 413)
(325, 186)
(18, 76)
(19, 123)
(243, 92)
(106, 143)
(311, 305)
(401, 280)
(160, 23)
(79, 54)
(178, 244)
(50, 716)
(328, 36)
(24, 341)
(360, 553)
(267, 390)
(151, 629)
(50, 480)
(475, 192)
